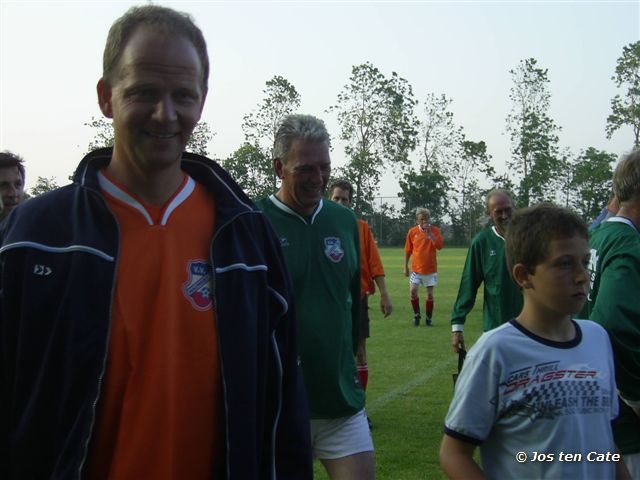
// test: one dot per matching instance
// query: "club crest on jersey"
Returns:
(197, 288)
(333, 249)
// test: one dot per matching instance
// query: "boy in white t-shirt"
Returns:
(538, 393)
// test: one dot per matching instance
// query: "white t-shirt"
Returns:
(519, 393)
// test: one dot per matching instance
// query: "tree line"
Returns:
(384, 127)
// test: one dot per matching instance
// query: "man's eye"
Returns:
(185, 96)
(143, 94)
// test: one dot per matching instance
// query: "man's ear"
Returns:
(521, 276)
(278, 166)
(104, 98)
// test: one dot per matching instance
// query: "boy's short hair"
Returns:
(532, 229)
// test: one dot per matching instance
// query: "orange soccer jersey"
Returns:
(160, 413)
(370, 263)
(422, 249)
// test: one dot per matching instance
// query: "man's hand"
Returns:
(457, 341)
(385, 304)
(406, 271)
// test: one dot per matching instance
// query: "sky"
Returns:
(51, 60)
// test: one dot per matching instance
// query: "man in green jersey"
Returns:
(486, 263)
(320, 243)
(613, 301)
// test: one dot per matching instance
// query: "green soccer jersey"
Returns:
(613, 302)
(486, 264)
(322, 256)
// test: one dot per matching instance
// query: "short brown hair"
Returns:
(532, 229)
(342, 184)
(162, 19)
(10, 159)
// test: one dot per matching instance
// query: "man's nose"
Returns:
(165, 109)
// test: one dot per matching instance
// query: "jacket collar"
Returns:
(229, 197)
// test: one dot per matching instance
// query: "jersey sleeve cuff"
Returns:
(462, 437)
(457, 327)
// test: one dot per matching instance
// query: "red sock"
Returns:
(363, 373)
(429, 307)
(415, 303)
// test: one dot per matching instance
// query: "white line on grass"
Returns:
(407, 387)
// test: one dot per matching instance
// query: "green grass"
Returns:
(410, 383)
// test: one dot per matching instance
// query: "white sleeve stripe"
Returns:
(242, 266)
(68, 249)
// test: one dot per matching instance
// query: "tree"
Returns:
(626, 111)
(439, 138)
(249, 167)
(43, 185)
(261, 125)
(378, 125)
(200, 139)
(467, 205)
(103, 136)
(591, 181)
(198, 142)
(534, 139)
(426, 188)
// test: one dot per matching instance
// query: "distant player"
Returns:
(422, 242)
(485, 264)
(543, 383)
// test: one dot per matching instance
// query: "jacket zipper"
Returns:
(106, 348)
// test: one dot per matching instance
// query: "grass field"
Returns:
(410, 368)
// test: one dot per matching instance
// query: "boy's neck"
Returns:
(554, 327)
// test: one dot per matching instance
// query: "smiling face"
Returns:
(155, 101)
(304, 175)
(558, 286)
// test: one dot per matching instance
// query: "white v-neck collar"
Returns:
(180, 196)
(284, 207)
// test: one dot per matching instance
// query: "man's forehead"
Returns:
(10, 173)
(500, 200)
(304, 150)
(146, 51)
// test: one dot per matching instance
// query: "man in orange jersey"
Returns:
(371, 270)
(422, 242)
(146, 323)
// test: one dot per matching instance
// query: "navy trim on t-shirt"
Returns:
(550, 343)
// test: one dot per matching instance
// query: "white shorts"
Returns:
(430, 280)
(340, 437)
